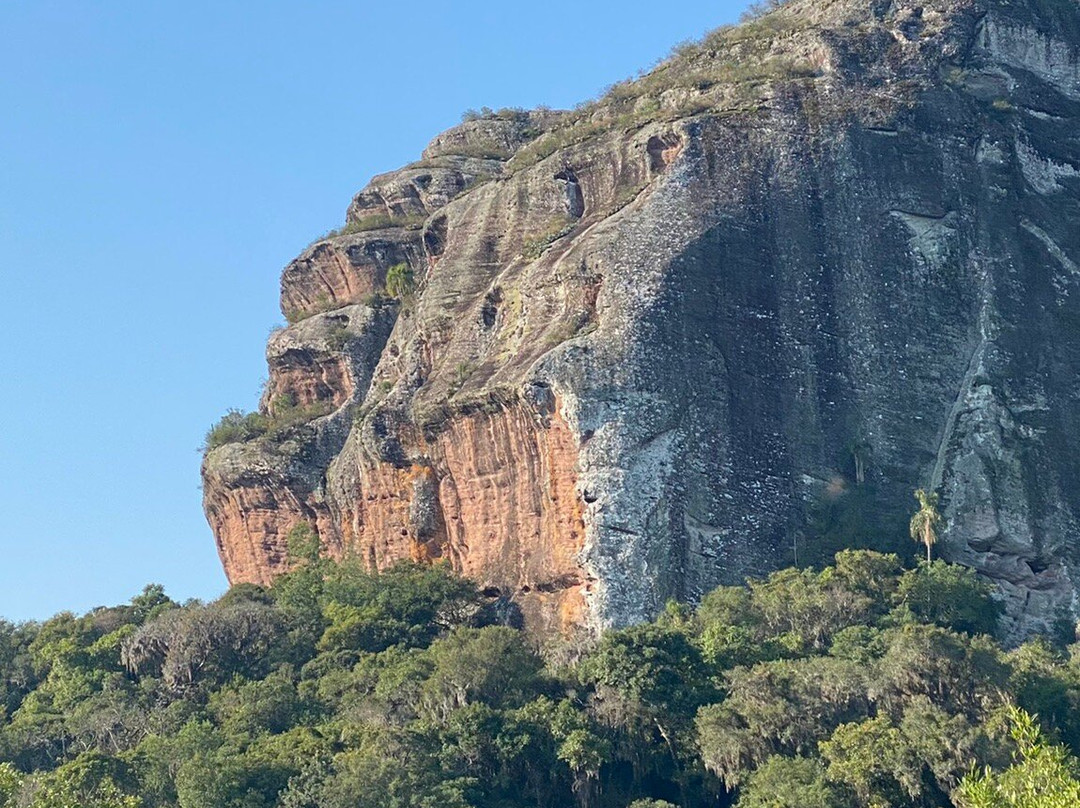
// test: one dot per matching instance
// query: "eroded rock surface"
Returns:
(834, 251)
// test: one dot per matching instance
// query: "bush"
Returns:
(377, 221)
(235, 426)
(1043, 774)
(487, 113)
(792, 782)
(948, 595)
(292, 415)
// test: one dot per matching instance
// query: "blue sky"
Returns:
(160, 162)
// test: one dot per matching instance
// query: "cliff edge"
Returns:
(602, 358)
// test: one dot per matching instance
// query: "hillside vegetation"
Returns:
(862, 684)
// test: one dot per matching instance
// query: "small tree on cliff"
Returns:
(399, 281)
(924, 523)
(302, 543)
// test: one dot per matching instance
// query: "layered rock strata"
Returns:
(835, 250)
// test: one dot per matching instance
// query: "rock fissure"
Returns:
(975, 367)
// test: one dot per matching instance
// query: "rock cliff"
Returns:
(824, 257)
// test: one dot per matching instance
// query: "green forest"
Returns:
(863, 684)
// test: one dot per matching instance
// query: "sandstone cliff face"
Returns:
(830, 252)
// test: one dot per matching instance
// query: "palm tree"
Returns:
(924, 523)
(399, 281)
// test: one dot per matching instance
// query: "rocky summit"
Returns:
(701, 326)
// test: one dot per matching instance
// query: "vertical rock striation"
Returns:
(825, 257)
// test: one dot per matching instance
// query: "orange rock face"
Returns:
(252, 524)
(303, 382)
(344, 269)
(428, 443)
(498, 501)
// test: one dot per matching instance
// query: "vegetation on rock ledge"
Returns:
(237, 426)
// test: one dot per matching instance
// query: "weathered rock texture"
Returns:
(831, 251)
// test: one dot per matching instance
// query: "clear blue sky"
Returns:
(159, 163)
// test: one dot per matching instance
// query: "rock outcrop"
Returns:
(807, 265)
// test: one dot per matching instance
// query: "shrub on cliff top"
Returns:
(235, 426)
(377, 221)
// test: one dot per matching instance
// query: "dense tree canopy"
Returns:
(861, 684)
